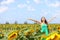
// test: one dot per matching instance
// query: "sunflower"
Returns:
(53, 36)
(58, 28)
(31, 30)
(13, 35)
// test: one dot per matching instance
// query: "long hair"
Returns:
(45, 20)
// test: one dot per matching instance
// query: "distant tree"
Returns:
(16, 22)
(25, 22)
(7, 23)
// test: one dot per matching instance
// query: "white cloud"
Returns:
(3, 9)
(53, 4)
(7, 2)
(46, 1)
(44, 12)
(57, 12)
(30, 8)
(37, 1)
(28, 1)
(22, 5)
(57, 4)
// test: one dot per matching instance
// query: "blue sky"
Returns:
(21, 10)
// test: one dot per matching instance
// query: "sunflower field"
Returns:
(28, 32)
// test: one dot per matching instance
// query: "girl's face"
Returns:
(43, 19)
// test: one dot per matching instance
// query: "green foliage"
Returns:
(7, 22)
(25, 22)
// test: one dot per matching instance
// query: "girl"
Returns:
(44, 24)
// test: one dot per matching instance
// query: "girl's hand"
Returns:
(51, 19)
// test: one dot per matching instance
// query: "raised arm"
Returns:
(34, 20)
(51, 19)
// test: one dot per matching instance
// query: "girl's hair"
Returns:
(45, 20)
